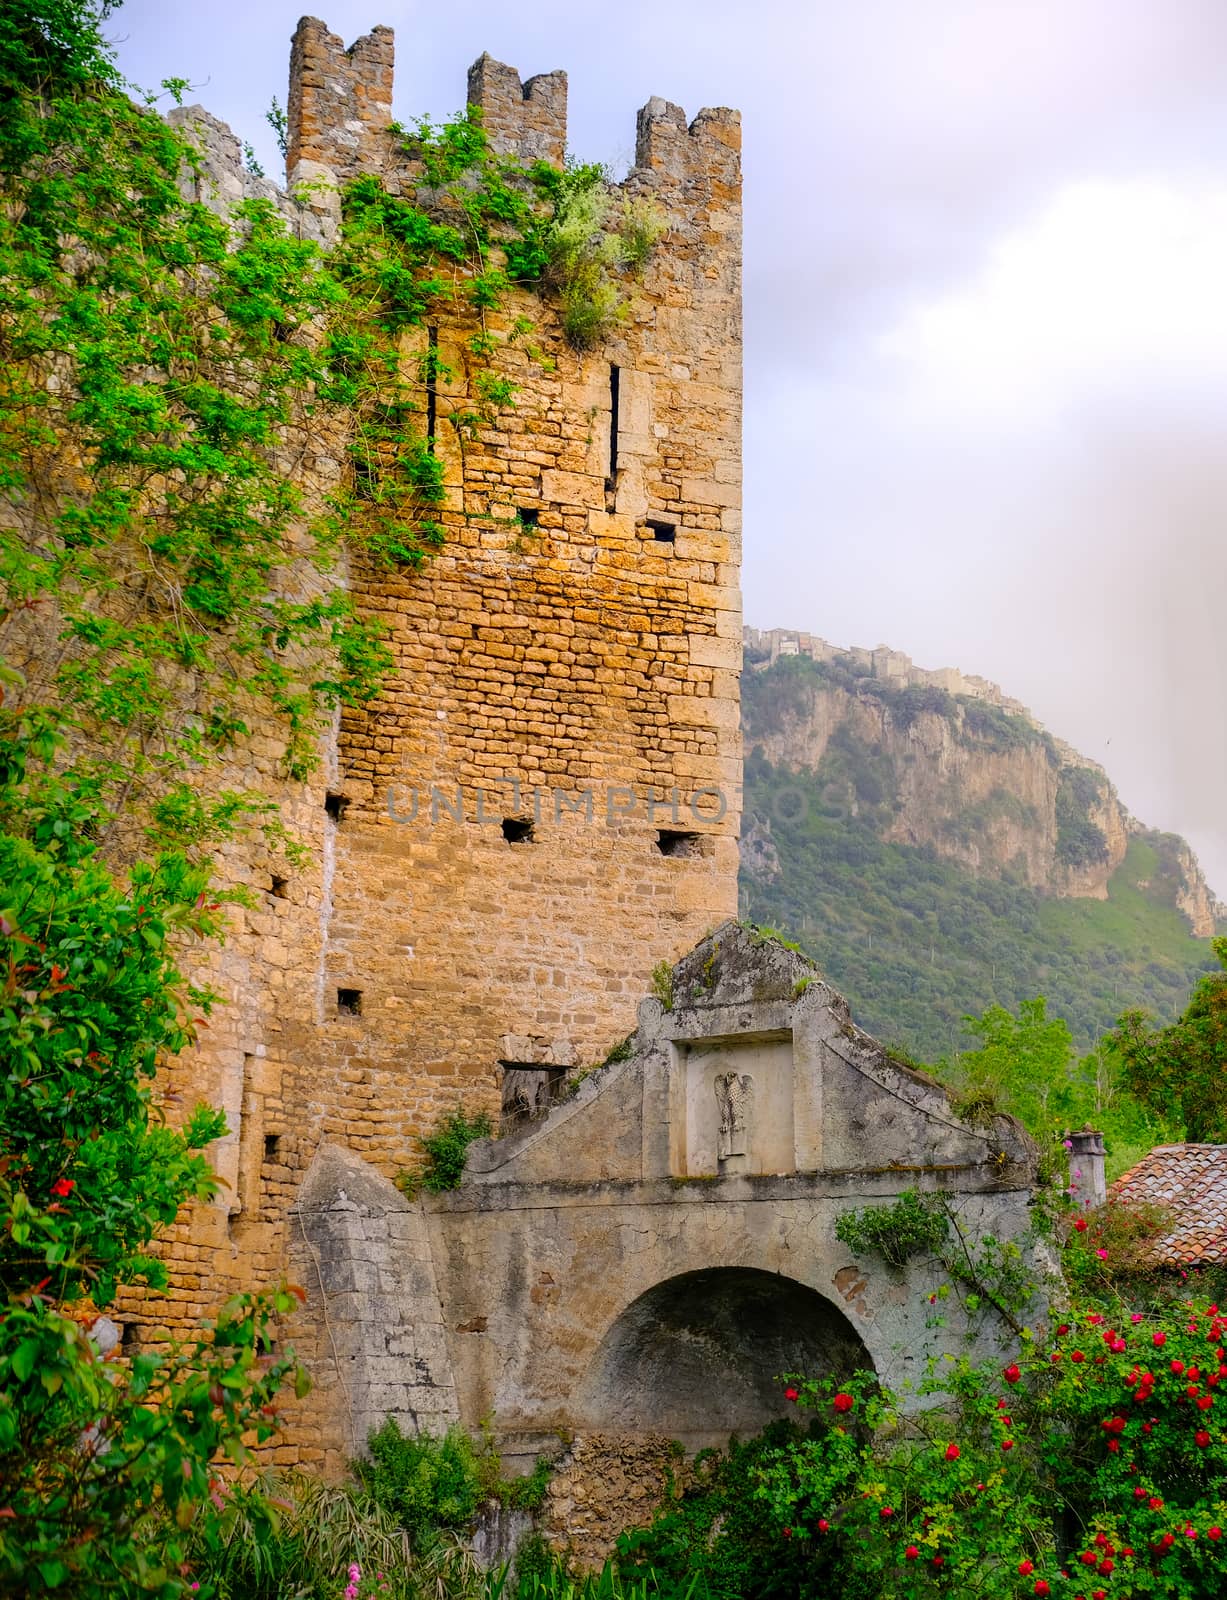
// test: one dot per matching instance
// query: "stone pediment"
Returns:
(747, 1066)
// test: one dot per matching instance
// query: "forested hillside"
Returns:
(927, 850)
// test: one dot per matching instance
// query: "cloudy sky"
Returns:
(986, 317)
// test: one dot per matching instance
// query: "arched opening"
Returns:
(700, 1356)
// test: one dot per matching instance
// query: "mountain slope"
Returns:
(938, 852)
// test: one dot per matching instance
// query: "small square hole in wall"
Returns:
(529, 516)
(272, 1148)
(349, 1002)
(130, 1339)
(529, 1090)
(517, 830)
(366, 480)
(335, 804)
(662, 532)
(671, 843)
(279, 887)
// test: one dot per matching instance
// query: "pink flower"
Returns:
(1135, 1316)
(1102, 1254)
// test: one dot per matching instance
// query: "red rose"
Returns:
(1011, 1373)
(843, 1402)
(792, 1394)
(1041, 1586)
(1158, 1340)
(952, 1452)
(1025, 1568)
(1202, 1437)
(1205, 1402)
(1214, 1533)
(1007, 1444)
(1088, 1558)
(1177, 1366)
(1080, 1224)
(910, 1553)
(1113, 1445)
(1139, 1493)
(1155, 1503)
(1106, 1566)
(63, 1186)
(788, 1533)
(823, 1524)
(1076, 1355)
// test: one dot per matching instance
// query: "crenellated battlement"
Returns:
(340, 112)
(339, 104)
(674, 151)
(526, 120)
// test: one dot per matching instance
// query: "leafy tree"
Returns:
(103, 1464)
(1025, 1061)
(1180, 1071)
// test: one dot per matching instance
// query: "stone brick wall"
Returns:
(578, 678)
(604, 1484)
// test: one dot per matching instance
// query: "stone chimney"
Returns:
(1086, 1158)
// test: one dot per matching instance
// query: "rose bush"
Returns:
(1092, 1464)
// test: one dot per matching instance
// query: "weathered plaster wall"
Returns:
(547, 1251)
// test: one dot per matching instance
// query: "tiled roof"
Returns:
(1190, 1179)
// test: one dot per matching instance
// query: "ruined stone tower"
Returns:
(543, 803)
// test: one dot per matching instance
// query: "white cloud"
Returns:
(1113, 285)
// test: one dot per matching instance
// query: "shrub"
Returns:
(915, 1225)
(1095, 1451)
(426, 1484)
(447, 1148)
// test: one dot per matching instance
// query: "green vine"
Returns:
(166, 375)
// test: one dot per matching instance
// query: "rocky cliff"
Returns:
(960, 769)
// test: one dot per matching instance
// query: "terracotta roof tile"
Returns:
(1190, 1179)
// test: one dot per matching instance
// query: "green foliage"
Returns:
(1080, 842)
(448, 1146)
(988, 726)
(915, 1225)
(104, 1466)
(557, 1583)
(662, 984)
(1180, 1072)
(916, 941)
(424, 1484)
(1094, 1451)
(586, 243)
(162, 367)
(293, 1534)
(713, 1540)
(277, 120)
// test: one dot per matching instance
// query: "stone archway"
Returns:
(699, 1356)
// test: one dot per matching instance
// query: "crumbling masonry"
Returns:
(543, 803)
